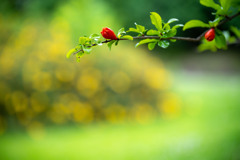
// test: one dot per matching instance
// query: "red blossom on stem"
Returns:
(210, 34)
(108, 34)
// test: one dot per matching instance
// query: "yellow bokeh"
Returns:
(156, 78)
(169, 105)
(82, 112)
(115, 113)
(119, 82)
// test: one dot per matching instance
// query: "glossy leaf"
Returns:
(215, 22)
(109, 44)
(70, 52)
(87, 49)
(156, 20)
(83, 40)
(120, 31)
(133, 30)
(140, 28)
(195, 23)
(210, 3)
(152, 32)
(172, 20)
(206, 45)
(146, 41)
(220, 41)
(127, 37)
(163, 43)
(226, 4)
(235, 30)
(151, 46)
(177, 26)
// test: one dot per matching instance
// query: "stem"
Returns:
(197, 39)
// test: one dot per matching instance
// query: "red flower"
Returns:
(210, 34)
(108, 34)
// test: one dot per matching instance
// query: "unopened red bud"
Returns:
(108, 34)
(210, 34)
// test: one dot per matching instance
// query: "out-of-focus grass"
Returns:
(208, 128)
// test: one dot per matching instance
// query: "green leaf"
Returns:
(220, 41)
(152, 32)
(109, 44)
(167, 26)
(177, 26)
(94, 36)
(235, 30)
(210, 3)
(163, 43)
(195, 23)
(70, 52)
(156, 20)
(151, 46)
(127, 37)
(206, 45)
(226, 4)
(83, 40)
(172, 20)
(133, 30)
(120, 31)
(146, 41)
(170, 33)
(215, 22)
(140, 28)
(87, 49)
(173, 40)
(116, 43)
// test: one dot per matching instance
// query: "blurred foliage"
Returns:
(38, 86)
(126, 87)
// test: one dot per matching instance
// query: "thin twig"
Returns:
(190, 39)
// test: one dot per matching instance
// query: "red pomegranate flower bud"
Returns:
(210, 34)
(108, 34)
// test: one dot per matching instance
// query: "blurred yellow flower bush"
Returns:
(39, 86)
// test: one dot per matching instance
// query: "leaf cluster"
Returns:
(165, 32)
(223, 9)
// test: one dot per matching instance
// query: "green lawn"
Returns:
(207, 129)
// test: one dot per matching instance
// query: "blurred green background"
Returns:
(128, 103)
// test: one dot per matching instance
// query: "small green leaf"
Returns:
(163, 43)
(177, 26)
(195, 23)
(127, 37)
(172, 20)
(146, 41)
(87, 49)
(225, 4)
(109, 44)
(166, 27)
(210, 3)
(156, 20)
(235, 30)
(116, 43)
(120, 31)
(133, 30)
(83, 40)
(173, 40)
(152, 32)
(140, 28)
(170, 33)
(151, 46)
(70, 52)
(215, 22)
(94, 36)
(206, 45)
(220, 41)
